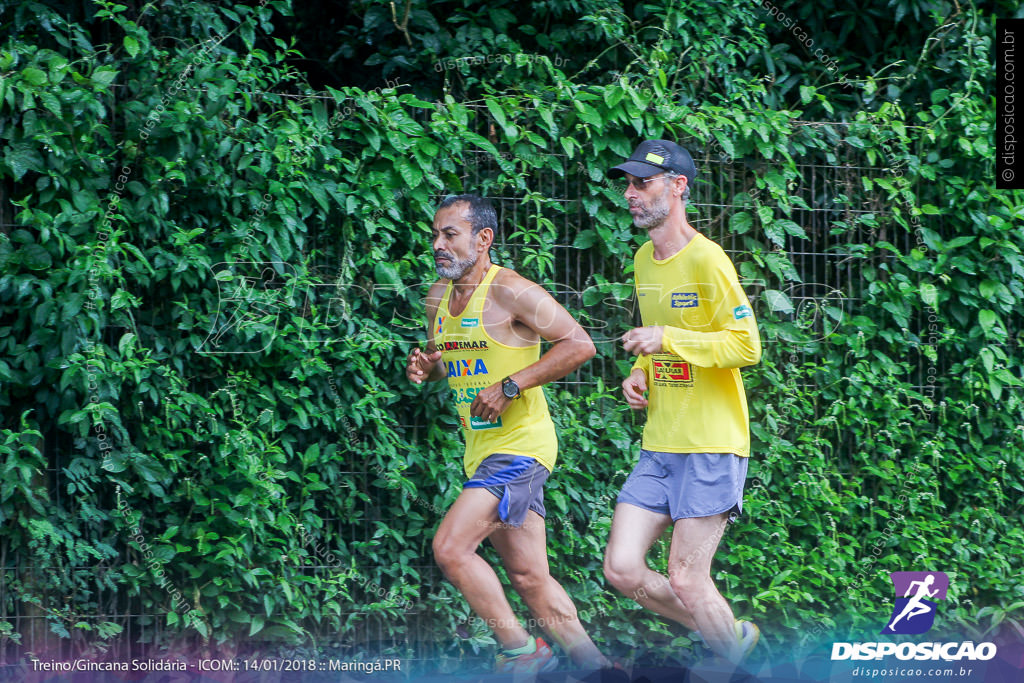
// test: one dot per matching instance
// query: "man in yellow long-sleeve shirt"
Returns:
(698, 331)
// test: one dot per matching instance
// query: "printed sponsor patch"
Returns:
(480, 344)
(671, 370)
(685, 300)
(480, 423)
(471, 322)
(654, 158)
(463, 368)
(741, 312)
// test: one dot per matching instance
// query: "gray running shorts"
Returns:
(684, 485)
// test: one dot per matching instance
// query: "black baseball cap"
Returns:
(652, 157)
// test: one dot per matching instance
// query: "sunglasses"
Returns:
(639, 183)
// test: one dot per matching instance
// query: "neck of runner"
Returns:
(465, 286)
(670, 237)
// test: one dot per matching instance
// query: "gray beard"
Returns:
(651, 219)
(457, 269)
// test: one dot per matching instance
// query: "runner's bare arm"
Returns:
(424, 365)
(533, 307)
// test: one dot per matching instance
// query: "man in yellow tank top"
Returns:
(698, 331)
(485, 327)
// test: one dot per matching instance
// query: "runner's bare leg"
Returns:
(468, 522)
(525, 555)
(634, 531)
(694, 542)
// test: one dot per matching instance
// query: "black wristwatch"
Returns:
(510, 388)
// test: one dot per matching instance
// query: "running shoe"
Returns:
(541, 659)
(747, 634)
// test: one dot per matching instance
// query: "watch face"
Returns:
(510, 389)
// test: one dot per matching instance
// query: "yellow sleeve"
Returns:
(733, 341)
(643, 361)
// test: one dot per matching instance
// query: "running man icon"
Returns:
(913, 607)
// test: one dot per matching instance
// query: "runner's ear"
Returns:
(486, 237)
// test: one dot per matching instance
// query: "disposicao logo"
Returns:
(916, 593)
(913, 614)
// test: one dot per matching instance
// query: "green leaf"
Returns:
(115, 462)
(792, 228)
(22, 158)
(496, 112)
(317, 190)
(988, 359)
(567, 145)
(373, 137)
(35, 257)
(51, 102)
(126, 342)
(929, 294)
(131, 46)
(775, 233)
(777, 301)
(727, 145)
(386, 274)
(958, 242)
(988, 319)
(584, 240)
(613, 95)
(34, 76)
(741, 222)
(411, 174)
(995, 388)
(590, 115)
(988, 288)
(202, 628)
(104, 76)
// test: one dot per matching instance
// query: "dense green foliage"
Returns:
(216, 274)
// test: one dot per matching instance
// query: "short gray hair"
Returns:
(685, 197)
(481, 211)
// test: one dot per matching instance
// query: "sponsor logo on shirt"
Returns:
(467, 394)
(671, 370)
(463, 368)
(476, 423)
(684, 300)
(440, 323)
(464, 345)
(741, 312)
(471, 322)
